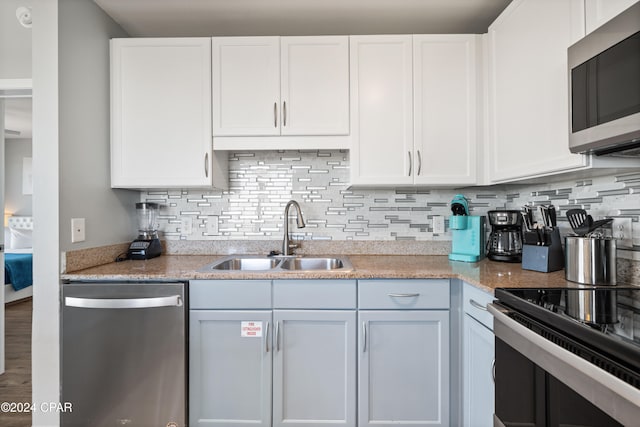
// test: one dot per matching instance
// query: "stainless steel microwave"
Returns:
(604, 84)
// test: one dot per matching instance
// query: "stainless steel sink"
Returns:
(324, 264)
(243, 264)
(278, 263)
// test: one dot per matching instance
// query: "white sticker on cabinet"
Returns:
(250, 329)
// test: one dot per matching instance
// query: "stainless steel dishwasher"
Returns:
(123, 351)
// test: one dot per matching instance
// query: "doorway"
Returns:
(16, 191)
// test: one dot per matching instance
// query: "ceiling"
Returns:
(17, 118)
(202, 18)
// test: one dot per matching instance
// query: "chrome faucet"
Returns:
(287, 246)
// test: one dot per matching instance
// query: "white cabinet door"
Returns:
(528, 88)
(445, 108)
(478, 374)
(161, 113)
(314, 368)
(229, 374)
(269, 86)
(403, 368)
(381, 110)
(600, 11)
(315, 85)
(246, 85)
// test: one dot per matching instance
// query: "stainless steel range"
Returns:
(567, 356)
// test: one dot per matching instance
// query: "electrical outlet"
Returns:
(212, 225)
(77, 230)
(621, 230)
(186, 226)
(438, 224)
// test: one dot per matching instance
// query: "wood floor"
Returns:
(15, 383)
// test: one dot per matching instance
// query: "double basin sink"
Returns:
(278, 263)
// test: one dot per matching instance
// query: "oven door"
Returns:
(538, 383)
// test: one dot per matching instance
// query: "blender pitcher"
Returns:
(147, 226)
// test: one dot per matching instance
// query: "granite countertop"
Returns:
(485, 274)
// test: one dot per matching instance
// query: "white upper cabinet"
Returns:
(315, 85)
(528, 88)
(381, 110)
(161, 114)
(272, 86)
(246, 85)
(414, 110)
(445, 88)
(600, 11)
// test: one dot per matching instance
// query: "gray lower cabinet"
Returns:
(478, 358)
(275, 353)
(314, 369)
(230, 374)
(230, 361)
(403, 353)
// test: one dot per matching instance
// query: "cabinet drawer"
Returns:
(229, 294)
(475, 302)
(403, 294)
(318, 294)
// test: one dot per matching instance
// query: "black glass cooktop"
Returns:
(596, 323)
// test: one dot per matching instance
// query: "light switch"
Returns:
(77, 230)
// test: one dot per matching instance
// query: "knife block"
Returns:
(544, 258)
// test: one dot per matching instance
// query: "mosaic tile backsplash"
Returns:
(261, 183)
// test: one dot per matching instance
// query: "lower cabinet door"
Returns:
(403, 369)
(478, 374)
(229, 368)
(314, 368)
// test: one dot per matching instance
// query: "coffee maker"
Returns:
(467, 243)
(147, 245)
(505, 240)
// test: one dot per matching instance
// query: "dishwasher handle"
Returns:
(170, 301)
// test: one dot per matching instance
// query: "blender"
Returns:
(147, 245)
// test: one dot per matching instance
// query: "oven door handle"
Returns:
(170, 301)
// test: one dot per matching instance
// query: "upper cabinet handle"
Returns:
(206, 165)
(275, 114)
(419, 162)
(410, 162)
(284, 113)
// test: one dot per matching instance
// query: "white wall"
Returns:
(45, 360)
(14, 200)
(15, 42)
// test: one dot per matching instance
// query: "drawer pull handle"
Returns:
(477, 305)
(403, 295)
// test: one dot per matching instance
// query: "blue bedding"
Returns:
(18, 270)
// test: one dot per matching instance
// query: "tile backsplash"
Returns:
(262, 182)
